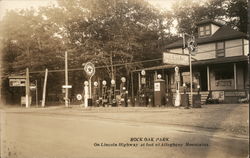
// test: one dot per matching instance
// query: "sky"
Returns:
(22, 4)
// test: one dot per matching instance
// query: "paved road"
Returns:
(56, 135)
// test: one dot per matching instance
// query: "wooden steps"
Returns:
(204, 96)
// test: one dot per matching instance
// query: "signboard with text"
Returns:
(17, 81)
(176, 59)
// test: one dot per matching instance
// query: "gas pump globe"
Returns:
(159, 76)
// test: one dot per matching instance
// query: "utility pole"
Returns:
(191, 78)
(36, 95)
(44, 88)
(27, 89)
(66, 80)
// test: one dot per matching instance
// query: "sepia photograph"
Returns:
(124, 78)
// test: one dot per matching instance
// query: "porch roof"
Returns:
(199, 62)
(221, 60)
(156, 68)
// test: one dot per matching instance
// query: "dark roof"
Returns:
(223, 33)
(203, 22)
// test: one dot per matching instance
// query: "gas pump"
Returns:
(112, 99)
(143, 88)
(86, 93)
(104, 93)
(159, 91)
(177, 80)
(123, 93)
(95, 94)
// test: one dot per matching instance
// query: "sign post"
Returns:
(36, 95)
(66, 80)
(191, 49)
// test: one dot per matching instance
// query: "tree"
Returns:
(28, 41)
(112, 31)
(237, 13)
(189, 12)
(105, 32)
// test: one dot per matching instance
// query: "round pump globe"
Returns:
(112, 81)
(86, 83)
(123, 79)
(95, 84)
(159, 76)
(104, 82)
(143, 72)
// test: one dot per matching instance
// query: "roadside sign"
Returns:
(176, 59)
(192, 45)
(89, 68)
(17, 81)
(67, 86)
(32, 87)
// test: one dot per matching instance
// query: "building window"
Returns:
(220, 49)
(224, 74)
(205, 30)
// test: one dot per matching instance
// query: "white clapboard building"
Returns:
(220, 63)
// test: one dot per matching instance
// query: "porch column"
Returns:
(155, 76)
(235, 76)
(208, 79)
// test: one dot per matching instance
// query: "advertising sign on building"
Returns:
(176, 59)
(218, 95)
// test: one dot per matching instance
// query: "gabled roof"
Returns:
(209, 21)
(223, 33)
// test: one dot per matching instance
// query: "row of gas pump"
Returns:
(104, 95)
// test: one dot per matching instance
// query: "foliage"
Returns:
(237, 12)
(189, 12)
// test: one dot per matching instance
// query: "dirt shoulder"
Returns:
(228, 118)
